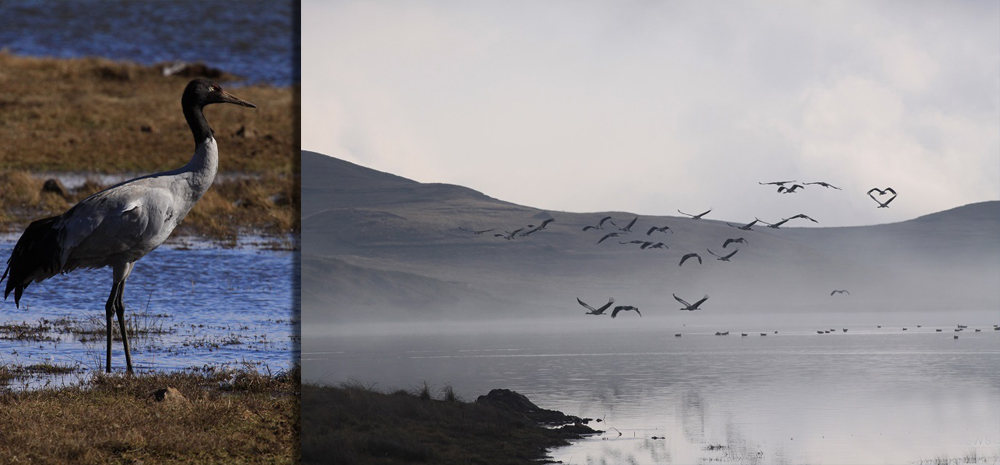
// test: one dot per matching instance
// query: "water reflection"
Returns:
(201, 307)
(879, 396)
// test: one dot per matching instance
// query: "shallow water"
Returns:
(209, 307)
(868, 395)
(256, 40)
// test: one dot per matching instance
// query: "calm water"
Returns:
(870, 395)
(215, 307)
(258, 40)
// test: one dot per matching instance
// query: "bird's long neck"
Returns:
(205, 162)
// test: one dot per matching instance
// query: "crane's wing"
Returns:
(650, 232)
(605, 306)
(890, 200)
(601, 223)
(546, 222)
(630, 223)
(617, 309)
(705, 213)
(682, 301)
(734, 253)
(728, 241)
(586, 305)
(703, 299)
(605, 237)
(585, 228)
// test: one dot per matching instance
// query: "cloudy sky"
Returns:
(654, 106)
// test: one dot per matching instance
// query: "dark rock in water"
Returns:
(54, 186)
(506, 399)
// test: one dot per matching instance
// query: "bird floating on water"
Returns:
(121, 224)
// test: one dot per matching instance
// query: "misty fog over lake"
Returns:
(395, 294)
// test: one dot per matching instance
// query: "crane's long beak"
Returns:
(226, 97)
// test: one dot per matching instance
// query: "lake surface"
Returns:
(204, 307)
(868, 395)
(258, 40)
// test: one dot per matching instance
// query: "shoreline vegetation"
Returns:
(356, 424)
(89, 118)
(216, 416)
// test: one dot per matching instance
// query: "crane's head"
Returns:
(201, 92)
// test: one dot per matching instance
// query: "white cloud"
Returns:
(651, 107)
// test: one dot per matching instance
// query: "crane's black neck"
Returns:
(196, 121)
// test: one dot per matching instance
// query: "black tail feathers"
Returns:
(35, 257)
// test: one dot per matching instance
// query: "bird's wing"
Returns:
(601, 223)
(683, 259)
(605, 306)
(464, 229)
(614, 312)
(703, 299)
(637, 311)
(586, 305)
(484, 231)
(630, 223)
(833, 292)
(589, 227)
(890, 200)
(753, 222)
(650, 232)
(679, 211)
(706, 212)
(698, 257)
(131, 217)
(713, 253)
(605, 237)
(546, 222)
(734, 253)
(682, 301)
(728, 241)
(875, 189)
(889, 189)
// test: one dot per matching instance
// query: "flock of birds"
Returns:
(619, 232)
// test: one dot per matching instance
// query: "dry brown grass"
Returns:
(113, 419)
(93, 115)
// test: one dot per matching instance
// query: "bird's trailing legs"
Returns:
(115, 306)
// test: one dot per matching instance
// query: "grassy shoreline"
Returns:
(356, 424)
(214, 417)
(92, 116)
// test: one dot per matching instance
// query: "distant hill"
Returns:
(379, 246)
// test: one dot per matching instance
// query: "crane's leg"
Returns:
(120, 310)
(109, 309)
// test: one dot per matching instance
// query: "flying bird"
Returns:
(775, 183)
(624, 308)
(628, 227)
(509, 234)
(800, 215)
(823, 184)
(642, 244)
(698, 216)
(773, 225)
(746, 227)
(690, 255)
(659, 245)
(738, 240)
(612, 234)
(790, 190)
(475, 231)
(537, 228)
(720, 257)
(691, 307)
(840, 291)
(596, 311)
(881, 193)
(600, 224)
(121, 224)
(662, 229)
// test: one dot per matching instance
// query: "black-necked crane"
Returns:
(509, 235)
(882, 192)
(746, 227)
(537, 228)
(738, 240)
(802, 215)
(721, 257)
(475, 231)
(690, 255)
(824, 184)
(600, 224)
(774, 183)
(790, 190)
(596, 311)
(624, 308)
(628, 227)
(696, 217)
(691, 307)
(661, 229)
(774, 225)
(121, 224)
(606, 236)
